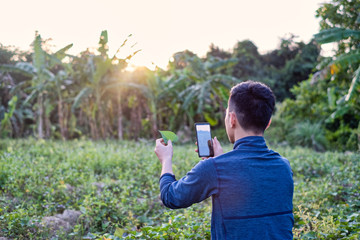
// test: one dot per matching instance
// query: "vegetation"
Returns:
(115, 187)
(92, 94)
(112, 181)
(329, 100)
(59, 96)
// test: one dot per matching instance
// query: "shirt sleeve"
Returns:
(198, 184)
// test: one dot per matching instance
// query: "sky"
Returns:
(159, 28)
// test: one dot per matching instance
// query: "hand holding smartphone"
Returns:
(204, 140)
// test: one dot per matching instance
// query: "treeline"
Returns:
(56, 95)
(92, 94)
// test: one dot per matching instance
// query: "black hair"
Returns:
(253, 103)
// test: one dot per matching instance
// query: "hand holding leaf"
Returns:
(168, 135)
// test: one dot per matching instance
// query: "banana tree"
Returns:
(41, 77)
(200, 87)
(97, 74)
(151, 88)
(6, 120)
(343, 63)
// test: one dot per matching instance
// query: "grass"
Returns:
(115, 186)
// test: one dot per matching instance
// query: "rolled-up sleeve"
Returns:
(198, 184)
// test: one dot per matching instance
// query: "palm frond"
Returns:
(223, 64)
(30, 96)
(60, 54)
(347, 59)
(191, 93)
(48, 74)
(202, 95)
(354, 85)
(39, 54)
(335, 35)
(78, 99)
(22, 67)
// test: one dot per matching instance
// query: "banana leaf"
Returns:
(354, 85)
(335, 35)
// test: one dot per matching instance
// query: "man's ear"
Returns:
(268, 124)
(233, 119)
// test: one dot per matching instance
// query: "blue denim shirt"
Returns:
(251, 188)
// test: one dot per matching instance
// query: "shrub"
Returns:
(308, 134)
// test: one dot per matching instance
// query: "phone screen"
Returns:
(204, 142)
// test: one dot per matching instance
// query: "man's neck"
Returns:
(240, 133)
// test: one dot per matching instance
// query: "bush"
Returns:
(308, 134)
(312, 119)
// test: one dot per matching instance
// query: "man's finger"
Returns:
(216, 141)
(160, 141)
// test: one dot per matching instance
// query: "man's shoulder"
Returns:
(245, 155)
(204, 163)
(279, 156)
(231, 155)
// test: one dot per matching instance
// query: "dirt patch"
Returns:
(60, 222)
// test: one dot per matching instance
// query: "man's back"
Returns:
(251, 187)
(254, 200)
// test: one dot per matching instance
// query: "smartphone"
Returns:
(204, 140)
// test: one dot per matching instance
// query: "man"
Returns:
(251, 186)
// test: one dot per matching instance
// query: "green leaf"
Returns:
(223, 64)
(103, 37)
(168, 135)
(335, 35)
(78, 99)
(8, 115)
(21, 67)
(39, 54)
(346, 59)
(354, 85)
(210, 119)
(103, 47)
(60, 54)
(119, 232)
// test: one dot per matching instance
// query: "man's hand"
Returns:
(164, 153)
(216, 146)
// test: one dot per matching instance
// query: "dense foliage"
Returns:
(328, 103)
(115, 187)
(114, 184)
(55, 95)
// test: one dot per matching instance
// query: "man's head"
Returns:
(252, 104)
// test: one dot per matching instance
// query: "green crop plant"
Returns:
(114, 184)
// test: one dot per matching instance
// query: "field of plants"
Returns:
(113, 188)
(76, 161)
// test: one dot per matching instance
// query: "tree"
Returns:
(331, 96)
(41, 76)
(96, 73)
(341, 14)
(249, 60)
(10, 87)
(216, 52)
(199, 90)
(289, 65)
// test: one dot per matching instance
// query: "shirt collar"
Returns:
(250, 142)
